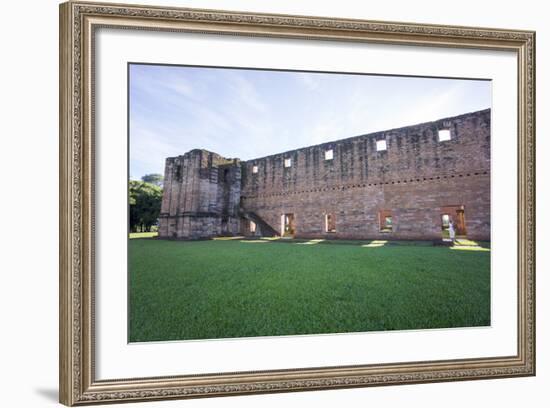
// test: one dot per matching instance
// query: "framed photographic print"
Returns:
(260, 203)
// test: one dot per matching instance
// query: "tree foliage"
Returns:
(154, 178)
(145, 200)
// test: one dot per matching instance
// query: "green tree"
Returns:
(156, 179)
(145, 201)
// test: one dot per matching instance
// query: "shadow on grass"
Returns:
(373, 243)
(369, 243)
(143, 235)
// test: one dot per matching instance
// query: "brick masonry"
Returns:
(414, 181)
(201, 196)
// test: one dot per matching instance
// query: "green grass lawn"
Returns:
(134, 235)
(232, 288)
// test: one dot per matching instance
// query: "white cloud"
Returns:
(246, 93)
(310, 81)
(248, 114)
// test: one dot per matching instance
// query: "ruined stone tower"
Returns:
(405, 183)
(201, 196)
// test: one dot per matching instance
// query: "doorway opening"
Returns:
(287, 225)
(453, 214)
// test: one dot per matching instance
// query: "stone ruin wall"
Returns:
(201, 196)
(414, 178)
(205, 194)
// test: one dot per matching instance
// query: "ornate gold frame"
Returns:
(78, 20)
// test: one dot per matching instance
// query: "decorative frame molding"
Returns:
(78, 21)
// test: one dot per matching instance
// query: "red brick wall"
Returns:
(414, 178)
(201, 196)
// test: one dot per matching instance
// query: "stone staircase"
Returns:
(263, 229)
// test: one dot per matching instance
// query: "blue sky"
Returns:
(253, 113)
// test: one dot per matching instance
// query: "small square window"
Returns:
(444, 135)
(288, 162)
(254, 169)
(329, 154)
(381, 145)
